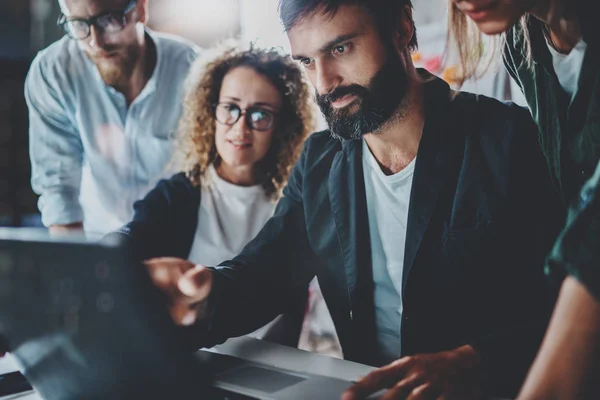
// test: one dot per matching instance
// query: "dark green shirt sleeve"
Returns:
(577, 250)
(512, 57)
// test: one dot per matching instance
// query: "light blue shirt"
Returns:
(92, 156)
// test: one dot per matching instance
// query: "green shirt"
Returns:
(577, 250)
(569, 133)
(569, 128)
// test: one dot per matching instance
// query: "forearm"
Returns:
(67, 228)
(228, 312)
(238, 308)
(59, 206)
(570, 352)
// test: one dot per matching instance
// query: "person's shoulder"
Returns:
(513, 39)
(315, 162)
(56, 60)
(175, 48)
(587, 18)
(170, 192)
(55, 70)
(322, 138)
(61, 50)
(320, 144)
(495, 122)
(177, 183)
(489, 110)
(176, 190)
(519, 45)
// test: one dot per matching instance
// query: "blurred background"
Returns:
(27, 26)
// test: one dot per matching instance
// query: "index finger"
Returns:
(195, 285)
(174, 262)
(164, 275)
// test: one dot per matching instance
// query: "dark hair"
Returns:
(385, 12)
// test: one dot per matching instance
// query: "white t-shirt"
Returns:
(229, 217)
(388, 199)
(568, 66)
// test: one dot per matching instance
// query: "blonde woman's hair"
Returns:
(465, 38)
(197, 126)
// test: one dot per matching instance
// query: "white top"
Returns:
(92, 156)
(568, 66)
(388, 199)
(229, 217)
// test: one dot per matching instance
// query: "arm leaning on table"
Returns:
(56, 152)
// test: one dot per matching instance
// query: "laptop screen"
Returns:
(84, 318)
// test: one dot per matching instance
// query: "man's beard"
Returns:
(116, 70)
(381, 100)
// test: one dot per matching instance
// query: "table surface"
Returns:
(252, 349)
(256, 350)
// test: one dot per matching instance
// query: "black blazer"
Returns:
(164, 225)
(480, 222)
(165, 221)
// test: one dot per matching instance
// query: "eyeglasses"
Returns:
(257, 118)
(109, 22)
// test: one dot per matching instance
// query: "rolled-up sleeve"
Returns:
(577, 250)
(55, 149)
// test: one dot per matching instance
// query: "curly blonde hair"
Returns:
(198, 124)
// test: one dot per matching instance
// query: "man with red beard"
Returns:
(104, 102)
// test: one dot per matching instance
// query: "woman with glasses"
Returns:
(246, 115)
(551, 50)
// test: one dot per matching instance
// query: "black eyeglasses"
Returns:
(257, 118)
(109, 22)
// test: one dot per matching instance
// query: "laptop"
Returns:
(84, 320)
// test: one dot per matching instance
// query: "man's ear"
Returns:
(406, 28)
(142, 8)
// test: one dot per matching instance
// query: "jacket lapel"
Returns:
(436, 153)
(346, 188)
(348, 204)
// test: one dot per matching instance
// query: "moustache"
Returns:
(324, 101)
(105, 51)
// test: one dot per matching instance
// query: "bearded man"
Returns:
(425, 213)
(104, 102)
